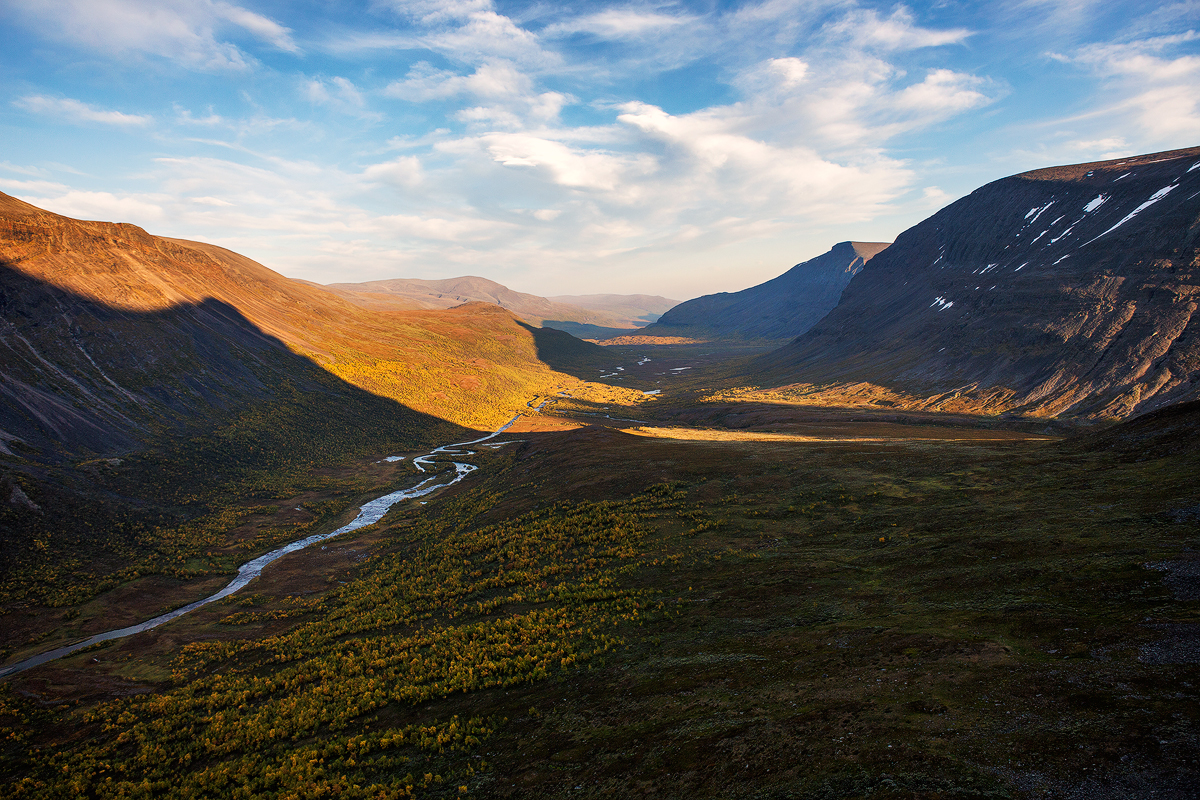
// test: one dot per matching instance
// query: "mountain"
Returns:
(781, 308)
(1063, 291)
(593, 318)
(632, 310)
(108, 334)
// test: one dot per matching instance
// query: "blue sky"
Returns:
(564, 148)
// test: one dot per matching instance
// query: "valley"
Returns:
(876, 549)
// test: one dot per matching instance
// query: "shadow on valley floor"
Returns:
(583, 330)
(565, 353)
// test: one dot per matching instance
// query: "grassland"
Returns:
(601, 614)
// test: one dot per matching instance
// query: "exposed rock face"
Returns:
(781, 308)
(20, 500)
(1064, 291)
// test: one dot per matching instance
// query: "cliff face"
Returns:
(1064, 291)
(781, 308)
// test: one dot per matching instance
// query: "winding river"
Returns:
(368, 514)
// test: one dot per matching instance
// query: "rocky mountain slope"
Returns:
(593, 316)
(1063, 291)
(781, 308)
(108, 334)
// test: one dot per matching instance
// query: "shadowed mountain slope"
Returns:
(781, 308)
(1063, 291)
(109, 332)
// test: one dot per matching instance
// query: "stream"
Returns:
(368, 514)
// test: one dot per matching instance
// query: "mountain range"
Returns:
(584, 316)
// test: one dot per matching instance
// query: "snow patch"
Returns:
(1194, 166)
(1065, 233)
(1126, 175)
(392, 459)
(1154, 198)
(1023, 266)
(1096, 202)
(941, 302)
(1039, 211)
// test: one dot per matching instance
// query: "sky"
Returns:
(673, 148)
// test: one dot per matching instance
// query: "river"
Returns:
(368, 514)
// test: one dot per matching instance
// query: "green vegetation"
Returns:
(451, 608)
(935, 619)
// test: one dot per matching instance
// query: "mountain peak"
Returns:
(781, 308)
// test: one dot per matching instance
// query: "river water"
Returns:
(368, 514)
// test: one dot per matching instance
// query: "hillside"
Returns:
(781, 308)
(597, 317)
(1064, 291)
(109, 331)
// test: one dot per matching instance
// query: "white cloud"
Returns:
(423, 82)
(1159, 93)
(337, 93)
(618, 23)
(405, 172)
(866, 28)
(266, 29)
(514, 105)
(942, 93)
(468, 31)
(564, 165)
(185, 31)
(80, 112)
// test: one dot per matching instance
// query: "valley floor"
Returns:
(712, 603)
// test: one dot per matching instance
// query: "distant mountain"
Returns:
(632, 310)
(598, 316)
(1064, 291)
(781, 308)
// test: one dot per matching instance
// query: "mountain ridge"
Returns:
(781, 308)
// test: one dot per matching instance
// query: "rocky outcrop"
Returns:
(781, 308)
(1065, 291)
